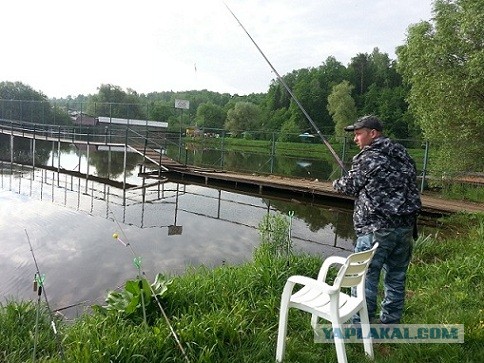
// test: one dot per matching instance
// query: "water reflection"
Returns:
(109, 163)
(70, 220)
(105, 162)
(317, 168)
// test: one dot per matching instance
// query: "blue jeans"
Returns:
(393, 256)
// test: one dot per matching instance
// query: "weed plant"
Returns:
(230, 313)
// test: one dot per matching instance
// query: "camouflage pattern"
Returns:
(384, 182)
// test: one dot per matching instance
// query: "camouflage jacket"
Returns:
(384, 182)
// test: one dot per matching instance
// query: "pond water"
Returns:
(70, 221)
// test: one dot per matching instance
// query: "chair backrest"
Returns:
(353, 272)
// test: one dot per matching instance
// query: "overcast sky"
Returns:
(63, 48)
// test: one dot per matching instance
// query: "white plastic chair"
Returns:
(328, 302)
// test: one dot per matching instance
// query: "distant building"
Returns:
(80, 118)
(131, 122)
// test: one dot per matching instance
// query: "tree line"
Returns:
(371, 81)
(433, 92)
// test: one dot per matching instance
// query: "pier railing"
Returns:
(254, 152)
(96, 134)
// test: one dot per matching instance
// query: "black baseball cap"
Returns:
(369, 122)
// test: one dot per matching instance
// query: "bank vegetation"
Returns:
(230, 313)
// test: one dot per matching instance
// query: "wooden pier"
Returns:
(287, 188)
(295, 189)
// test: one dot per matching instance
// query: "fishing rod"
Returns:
(137, 263)
(313, 124)
(40, 288)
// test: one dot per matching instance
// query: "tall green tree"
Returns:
(113, 101)
(21, 102)
(277, 97)
(245, 116)
(443, 61)
(360, 70)
(309, 93)
(210, 115)
(390, 105)
(342, 107)
(275, 120)
(162, 111)
(330, 73)
(289, 131)
(383, 70)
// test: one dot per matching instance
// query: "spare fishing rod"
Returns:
(137, 263)
(40, 288)
(313, 124)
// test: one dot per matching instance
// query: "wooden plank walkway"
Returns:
(296, 189)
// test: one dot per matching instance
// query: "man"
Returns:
(383, 181)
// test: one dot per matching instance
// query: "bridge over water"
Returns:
(148, 143)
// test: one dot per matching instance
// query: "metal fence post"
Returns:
(273, 150)
(343, 153)
(11, 149)
(424, 170)
(222, 156)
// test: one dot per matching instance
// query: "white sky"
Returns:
(62, 47)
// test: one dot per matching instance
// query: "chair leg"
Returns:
(339, 344)
(282, 331)
(314, 320)
(366, 333)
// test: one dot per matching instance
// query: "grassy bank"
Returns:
(229, 314)
(297, 149)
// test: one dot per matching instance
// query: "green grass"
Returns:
(18, 337)
(230, 313)
(462, 191)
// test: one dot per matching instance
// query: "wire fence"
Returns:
(253, 151)
(258, 152)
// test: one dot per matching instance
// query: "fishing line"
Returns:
(40, 288)
(137, 263)
(289, 235)
(80, 303)
(313, 124)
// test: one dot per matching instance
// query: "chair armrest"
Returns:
(331, 260)
(335, 259)
(312, 283)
